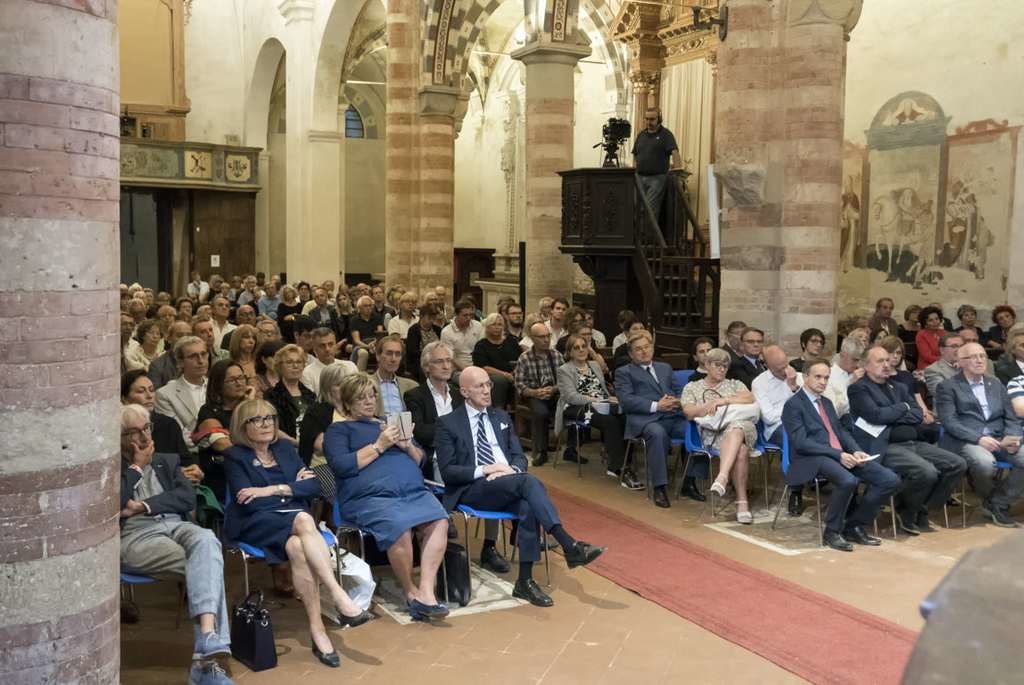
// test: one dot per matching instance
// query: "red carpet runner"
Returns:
(807, 633)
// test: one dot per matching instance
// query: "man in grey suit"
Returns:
(945, 367)
(653, 412)
(182, 397)
(981, 426)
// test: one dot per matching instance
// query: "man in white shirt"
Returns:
(773, 388)
(325, 347)
(462, 334)
(845, 370)
(197, 288)
(220, 308)
(182, 398)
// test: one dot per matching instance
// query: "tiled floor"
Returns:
(597, 632)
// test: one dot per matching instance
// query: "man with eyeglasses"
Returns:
(159, 539)
(981, 426)
(391, 387)
(182, 398)
(751, 364)
(536, 379)
(946, 366)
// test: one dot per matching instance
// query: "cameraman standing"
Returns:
(651, 152)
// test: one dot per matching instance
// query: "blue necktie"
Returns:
(484, 456)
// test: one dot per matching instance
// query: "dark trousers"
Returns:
(501, 389)
(520, 494)
(929, 474)
(880, 481)
(541, 411)
(658, 435)
(612, 427)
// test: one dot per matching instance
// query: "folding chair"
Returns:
(785, 490)
(481, 514)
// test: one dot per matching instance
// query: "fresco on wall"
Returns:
(922, 209)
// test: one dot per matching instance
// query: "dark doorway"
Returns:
(146, 237)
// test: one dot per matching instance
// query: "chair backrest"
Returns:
(680, 378)
(692, 440)
(336, 513)
(785, 449)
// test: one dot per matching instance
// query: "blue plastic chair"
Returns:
(785, 488)
(343, 527)
(130, 580)
(484, 515)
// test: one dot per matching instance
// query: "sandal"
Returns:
(744, 517)
(718, 489)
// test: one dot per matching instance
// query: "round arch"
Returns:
(257, 99)
(330, 61)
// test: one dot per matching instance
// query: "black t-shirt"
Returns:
(653, 150)
(501, 357)
(367, 329)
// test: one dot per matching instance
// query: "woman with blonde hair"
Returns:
(290, 397)
(242, 350)
(270, 493)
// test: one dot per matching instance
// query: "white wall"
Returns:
(215, 78)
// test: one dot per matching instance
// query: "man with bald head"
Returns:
(981, 426)
(886, 421)
(772, 388)
(484, 467)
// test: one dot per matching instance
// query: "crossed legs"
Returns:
(734, 457)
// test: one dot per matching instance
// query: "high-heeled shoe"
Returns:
(332, 659)
(354, 621)
(718, 489)
(744, 517)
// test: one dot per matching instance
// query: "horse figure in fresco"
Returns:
(902, 222)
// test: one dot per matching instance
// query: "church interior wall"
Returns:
(364, 214)
(146, 51)
(932, 202)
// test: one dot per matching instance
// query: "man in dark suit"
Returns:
(820, 446)
(653, 412)
(886, 421)
(484, 467)
(981, 426)
(732, 339)
(438, 397)
(751, 364)
(158, 537)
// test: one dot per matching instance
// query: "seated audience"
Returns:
(908, 331)
(289, 308)
(581, 385)
(182, 397)
(380, 304)
(321, 312)
(1011, 364)
(421, 334)
(968, 316)
(242, 350)
(772, 389)
(887, 421)
(438, 397)
(290, 397)
(343, 307)
(164, 368)
(750, 364)
(302, 329)
(202, 328)
(845, 370)
(812, 346)
(225, 389)
(244, 316)
(315, 422)
(514, 320)
(620, 356)
(969, 335)
(497, 353)
(1003, 319)
(150, 345)
(250, 292)
(364, 329)
(536, 381)
(927, 339)
(544, 306)
(165, 315)
(733, 440)
(699, 357)
(820, 446)
(325, 349)
(733, 335)
(390, 387)
(653, 412)
(484, 467)
(946, 366)
(599, 338)
(882, 318)
(305, 292)
(266, 373)
(626, 320)
(137, 388)
(381, 490)
(405, 317)
(916, 388)
(1015, 391)
(269, 507)
(159, 539)
(462, 334)
(981, 426)
(269, 303)
(220, 310)
(197, 288)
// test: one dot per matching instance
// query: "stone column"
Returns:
(263, 216)
(59, 237)
(435, 239)
(778, 141)
(550, 72)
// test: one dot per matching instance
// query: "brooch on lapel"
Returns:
(256, 462)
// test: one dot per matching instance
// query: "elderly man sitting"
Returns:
(159, 539)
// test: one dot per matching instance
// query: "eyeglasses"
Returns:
(136, 433)
(759, 341)
(238, 380)
(981, 356)
(261, 421)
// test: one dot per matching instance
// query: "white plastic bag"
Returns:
(356, 579)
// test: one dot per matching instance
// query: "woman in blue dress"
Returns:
(381, 490)
(270, 492)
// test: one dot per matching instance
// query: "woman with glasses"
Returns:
(581, 386)
(225, 389)
(137, 388)
(290, 397)
(381, 491)
(736, 438)
(270, 493)
(812, 346)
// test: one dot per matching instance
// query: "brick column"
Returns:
(59, 450)
(435, 239)
(778, 141)
(549, 135)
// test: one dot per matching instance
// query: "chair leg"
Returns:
(579, 455)
(686, 469)
(892, 511)
(627, 460)
(821, 521)
(245, 570)
(963, 501)
(547, 559)
(778, 509)
(469, 567)
(764, 478)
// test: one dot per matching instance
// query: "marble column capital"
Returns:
(539, 52)
(440, 101)
(845, 13)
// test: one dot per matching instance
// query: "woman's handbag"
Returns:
(252, 634)
(726, 415)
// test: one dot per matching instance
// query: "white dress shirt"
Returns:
(496, 451)
(838, 382)
(771, 394)
(311, 374)
(462, 342)
(442, 403)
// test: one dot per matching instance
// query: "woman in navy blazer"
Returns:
(268, 507)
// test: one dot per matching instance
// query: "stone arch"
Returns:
(257, 98)
(330, 61)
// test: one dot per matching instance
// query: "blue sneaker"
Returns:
(208, 645)
(208, 673)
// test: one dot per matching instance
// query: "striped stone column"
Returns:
(435, 238)
(549, 149)
(778, 142)
(59, 268)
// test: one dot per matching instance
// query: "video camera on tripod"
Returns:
(615, 133)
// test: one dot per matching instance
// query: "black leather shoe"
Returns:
(573, 456)
(332, 659)
(661, 497)
(630, 481)
(492, 560)
(690, 490)
(796, 503)
(998, 516)
(353, 621)
(922, 523)
(540, 459)
(837, 541)
(861, 537)
(531, 592)
(906, 524)
(582, 553)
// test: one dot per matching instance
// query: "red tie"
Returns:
(833, 441)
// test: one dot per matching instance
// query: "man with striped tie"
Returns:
(484, 467)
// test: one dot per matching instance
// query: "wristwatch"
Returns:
(376, 449)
